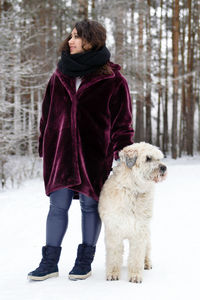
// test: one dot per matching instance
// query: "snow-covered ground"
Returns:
(175, 245)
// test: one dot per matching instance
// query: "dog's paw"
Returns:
(147, 265)
(135, 278)
(112, 276)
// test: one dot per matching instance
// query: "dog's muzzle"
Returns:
(163, 170)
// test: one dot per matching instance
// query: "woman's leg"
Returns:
(91, 226)
(56, 226)
(91, 222)
(57, 219)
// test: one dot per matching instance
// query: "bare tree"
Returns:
(139, 131)
(166, 90)
(175, 38)
(83, 9)
(148, 100)
(159, 77)
(183, 117)
(189, 90)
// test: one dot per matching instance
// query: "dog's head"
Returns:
(144, 160)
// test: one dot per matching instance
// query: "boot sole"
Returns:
(40, 278)
(79, 277)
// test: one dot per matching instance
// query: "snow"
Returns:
(175, 244)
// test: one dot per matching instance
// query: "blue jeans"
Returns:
(57, 219)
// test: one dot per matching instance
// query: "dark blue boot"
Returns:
(82, 267)
(48, 265)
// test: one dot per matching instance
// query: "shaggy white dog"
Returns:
(125, 207)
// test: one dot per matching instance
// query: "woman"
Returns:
(86, 119)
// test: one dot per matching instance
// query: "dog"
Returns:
(125, 208)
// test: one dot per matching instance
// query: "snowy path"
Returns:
(175, 245)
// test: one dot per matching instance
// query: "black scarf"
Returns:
(80, 64)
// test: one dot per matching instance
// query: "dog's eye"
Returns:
(148, 158)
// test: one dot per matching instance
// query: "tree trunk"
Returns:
(148, 104)
(183, 119)
(119, 36)
(175, 38)
(160, 75)
(139, 132)
(198, 82)
(165, 110)
(83, 9)
(93, 14)
(190, 100)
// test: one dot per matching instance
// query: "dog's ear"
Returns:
(130, 161)
(128, 156)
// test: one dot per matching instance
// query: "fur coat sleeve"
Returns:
(121, 118)
(45, 111)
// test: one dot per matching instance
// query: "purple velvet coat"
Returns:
(81, 131)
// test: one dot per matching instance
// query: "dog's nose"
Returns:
(163, 168)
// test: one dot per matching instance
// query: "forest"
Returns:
(156, 43)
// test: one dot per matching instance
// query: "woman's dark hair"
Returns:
(90, 32)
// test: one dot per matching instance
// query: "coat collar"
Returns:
(70, 85)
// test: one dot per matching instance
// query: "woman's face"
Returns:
(76, 43)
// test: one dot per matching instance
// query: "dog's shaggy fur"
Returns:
(125, 207)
